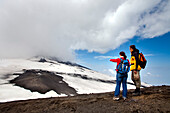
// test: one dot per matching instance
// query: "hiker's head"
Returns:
(132, 48)
(123, 54)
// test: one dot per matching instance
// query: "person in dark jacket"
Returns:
(135, 68)
(121, 77)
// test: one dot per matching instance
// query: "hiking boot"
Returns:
(134, 91)
(136, 94)
(115, 98)
(124, 98)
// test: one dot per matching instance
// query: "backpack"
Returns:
(123, 66)
(142, 61)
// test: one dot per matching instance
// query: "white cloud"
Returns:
(103, 57)
(148, 73)
(151, 75)
(156, 20)
(112, 72)
(149, 55)
(57, 28)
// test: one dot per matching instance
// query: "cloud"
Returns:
(148, 73)
(110, 72)
(149, 55)
(57, 28)
(151, 75)
(103, 57)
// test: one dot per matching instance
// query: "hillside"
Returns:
(152, 100)
(22, 79)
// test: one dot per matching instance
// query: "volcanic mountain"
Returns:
(22, 79)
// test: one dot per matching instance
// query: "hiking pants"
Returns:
(136, 79)
(120, 80)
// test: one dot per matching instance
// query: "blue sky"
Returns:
(156, 50)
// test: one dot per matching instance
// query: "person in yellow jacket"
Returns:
(135, 68)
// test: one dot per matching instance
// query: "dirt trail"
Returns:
(152, 100)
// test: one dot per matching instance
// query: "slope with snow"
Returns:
(82, 79)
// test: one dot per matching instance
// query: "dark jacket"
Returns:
(135, 60)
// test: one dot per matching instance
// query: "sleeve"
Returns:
(115, 60)
(129, 65)
(137, 60)
(129, 62)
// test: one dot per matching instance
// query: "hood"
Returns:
(136, 51)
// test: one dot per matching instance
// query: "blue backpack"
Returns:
(123, 66)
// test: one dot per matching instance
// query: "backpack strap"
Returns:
(121, 59)
(120, 63)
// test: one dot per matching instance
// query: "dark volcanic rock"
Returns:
(42, 60)
(42, 82)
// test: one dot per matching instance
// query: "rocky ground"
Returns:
(152, 100)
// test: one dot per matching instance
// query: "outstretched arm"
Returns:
(114, 60)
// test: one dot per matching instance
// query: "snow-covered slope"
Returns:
(82, 79)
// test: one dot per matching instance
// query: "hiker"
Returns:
(123, 66)
(135, 68)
